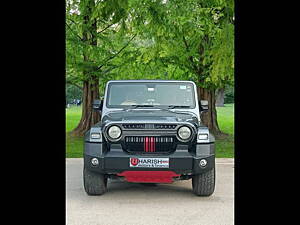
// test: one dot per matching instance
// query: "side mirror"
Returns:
(97, 104)
(204, 105)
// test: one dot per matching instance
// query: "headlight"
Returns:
(184, 133)
(114, 132)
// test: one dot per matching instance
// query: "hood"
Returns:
(148, 116)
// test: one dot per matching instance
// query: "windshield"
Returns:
(157, 95)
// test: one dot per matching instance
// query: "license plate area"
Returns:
(140, 162)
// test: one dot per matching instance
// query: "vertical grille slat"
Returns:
(149, 144)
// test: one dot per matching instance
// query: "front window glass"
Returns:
(122, 95)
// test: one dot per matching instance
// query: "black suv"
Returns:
(150, 132)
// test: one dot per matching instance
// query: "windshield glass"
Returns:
(157, 95)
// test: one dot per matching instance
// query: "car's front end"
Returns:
(154, 143)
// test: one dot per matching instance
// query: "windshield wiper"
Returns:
(178, 106)
(139, 106)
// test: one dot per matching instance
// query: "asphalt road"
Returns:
(161, 204)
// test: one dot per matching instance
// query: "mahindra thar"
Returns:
(150, 132)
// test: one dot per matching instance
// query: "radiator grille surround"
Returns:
(149, 144)
(134, 126)
(165, 126)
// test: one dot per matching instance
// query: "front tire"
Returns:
(204, 184)
(94, 183)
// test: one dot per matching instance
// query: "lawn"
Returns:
(74, 146)
(224, 146)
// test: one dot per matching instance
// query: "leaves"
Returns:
(174, 39)
(94, 37)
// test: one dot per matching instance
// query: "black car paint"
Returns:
(157, 115)
(113, 159)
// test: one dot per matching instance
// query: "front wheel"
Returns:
(204, 184)
(94, 183)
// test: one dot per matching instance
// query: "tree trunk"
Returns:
(89, 116)
(209, 118)
(91, 82)
(220, 94)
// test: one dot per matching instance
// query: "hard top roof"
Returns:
(152, 81)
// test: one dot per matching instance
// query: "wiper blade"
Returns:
(178, 106)
(139, 106)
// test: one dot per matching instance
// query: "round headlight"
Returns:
(114, 132)
(184, 133)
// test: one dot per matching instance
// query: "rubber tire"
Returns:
(204, 184)
(94, 183)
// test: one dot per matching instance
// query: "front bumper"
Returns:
(117, 161)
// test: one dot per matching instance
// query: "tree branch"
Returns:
(113, 56)
(150, 68)
(185, 43)
(80, 38)
(76, 85)
(174, 71)
(105, 28)
(190, 57)
(72, 21)
(108, 70)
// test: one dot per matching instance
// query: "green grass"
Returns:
(74, 145)
(224, 146)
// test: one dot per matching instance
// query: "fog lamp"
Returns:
(95, 162)
(203, 162)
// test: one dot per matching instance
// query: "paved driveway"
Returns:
(161, 204)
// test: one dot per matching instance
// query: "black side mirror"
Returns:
(203, 105)
(97, 104)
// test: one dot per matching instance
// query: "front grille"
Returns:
(134, 126)
(165, 126)
(149, 144)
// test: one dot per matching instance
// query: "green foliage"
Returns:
(143, 39)
(150, 39)
(229, 95)
(196, 37)
(73, 92)
(94, 38)
(222, 67)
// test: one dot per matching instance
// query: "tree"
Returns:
(220, 96)
(94, 38)
(229, 95)
(73, 92)
(195, 37)
(158, 39)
